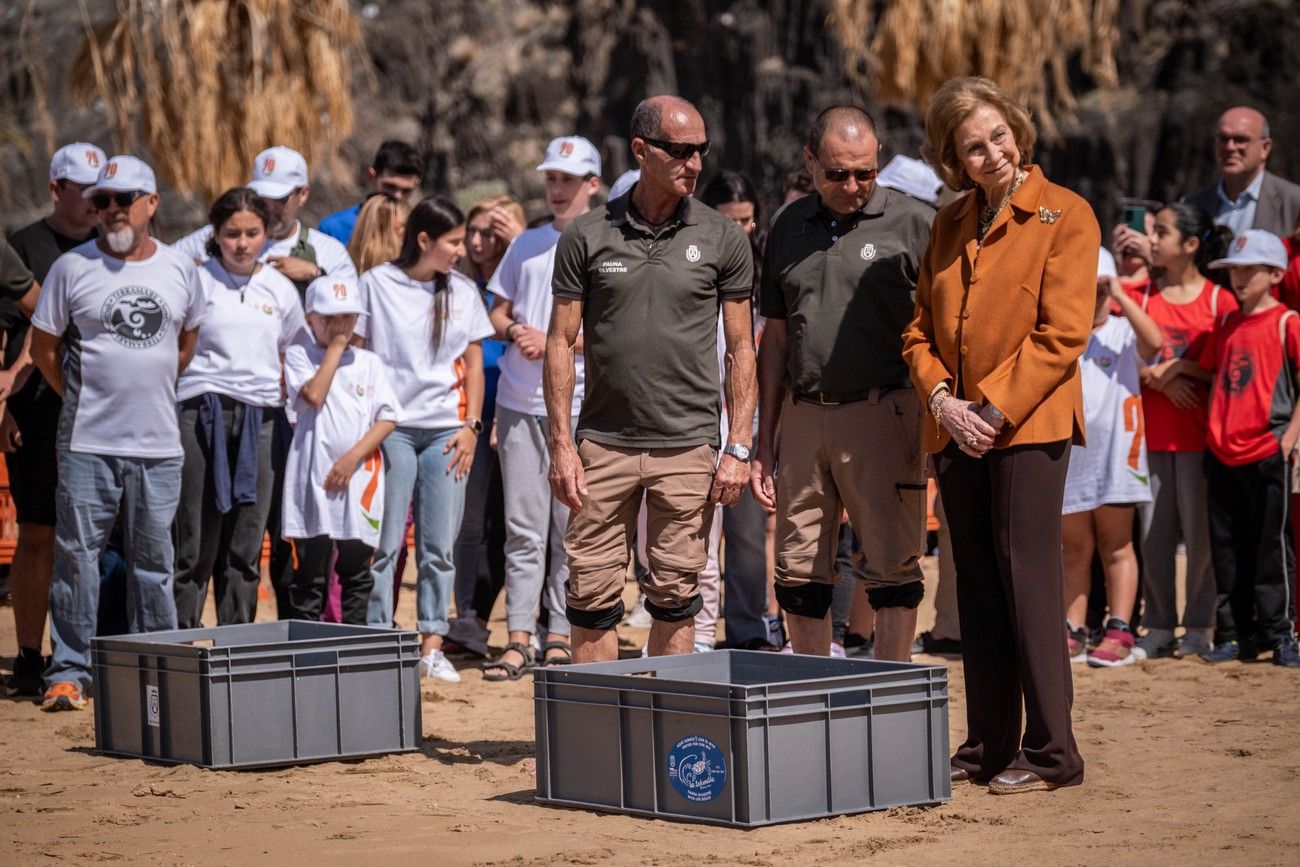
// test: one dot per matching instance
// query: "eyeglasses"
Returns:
(1239, 140)
(679, 150)
(122, 200)
(839, 176)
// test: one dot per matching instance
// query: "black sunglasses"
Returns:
(679, 150)
(839, 176)
(122, 200)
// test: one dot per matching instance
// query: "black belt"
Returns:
(826, 398)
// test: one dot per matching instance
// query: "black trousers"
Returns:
(311, 577)
(1252, 549)
(281, 561)
(1004, 514)
(227, 548)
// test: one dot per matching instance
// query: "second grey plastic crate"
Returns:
(742, 738)
(257, 694)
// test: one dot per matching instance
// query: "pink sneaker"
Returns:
(1114, 651)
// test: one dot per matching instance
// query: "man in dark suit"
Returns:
(1246, 196)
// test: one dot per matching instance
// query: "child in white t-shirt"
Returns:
(1108, 477)
(345, 408)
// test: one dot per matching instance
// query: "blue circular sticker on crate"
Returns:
(697, 769)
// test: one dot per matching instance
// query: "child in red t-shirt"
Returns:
(1254, 427)
(1185, 304)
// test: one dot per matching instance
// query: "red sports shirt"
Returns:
(1187, 329)
(1254, 393)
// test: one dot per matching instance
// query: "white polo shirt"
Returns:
(429, 381)
(359, 396)
(123, 321)
(524, 279)
(250, 322)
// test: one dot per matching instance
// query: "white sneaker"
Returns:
(638, 617)
(1156, 644)
(837, 650)
(437, 665)
(703, 647)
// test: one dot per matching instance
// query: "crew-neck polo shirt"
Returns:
(651, 302)
(846, 287)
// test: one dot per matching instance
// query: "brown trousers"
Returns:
(1004, 514)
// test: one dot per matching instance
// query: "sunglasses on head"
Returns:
(122, 200)
(839, 176)
(679, 150)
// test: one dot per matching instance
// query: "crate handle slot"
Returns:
(202, 642)
(323, 657)
(643, 674)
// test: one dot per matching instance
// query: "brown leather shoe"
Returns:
(960, 775)
(1013, 782)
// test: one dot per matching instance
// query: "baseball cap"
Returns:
(573, 155)
(331, 296)
(1106, 264)
(123, 174)
(625, 182)
(1254, 247)
(79, 162)
(277, 172)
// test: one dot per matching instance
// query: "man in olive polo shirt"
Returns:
(839, 279)
(644, 279)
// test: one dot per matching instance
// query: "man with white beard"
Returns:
(116, 322)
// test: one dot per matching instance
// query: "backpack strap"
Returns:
(1286, 361)
(305, 251)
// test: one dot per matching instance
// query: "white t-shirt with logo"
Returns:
(1112, 468)
(524, 279)
(123, 320)
(246, 329)
(359, 396)
(330, 254)
(429, 382)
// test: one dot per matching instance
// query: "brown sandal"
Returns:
(512, 671)
(565, 657)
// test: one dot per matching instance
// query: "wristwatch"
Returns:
(739, 452)
(474, 424)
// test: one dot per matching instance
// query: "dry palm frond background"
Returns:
(206, 84)
(902, 52)
(1125, 94)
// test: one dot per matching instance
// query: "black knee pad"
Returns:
(678, 614)
(901, 596)
(605, 618)
(807, 600)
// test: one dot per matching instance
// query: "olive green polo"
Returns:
(650, 320)
(846, 287)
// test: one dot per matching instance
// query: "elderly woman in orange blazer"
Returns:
(1003, 312)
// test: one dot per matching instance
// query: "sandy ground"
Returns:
(1184, 763)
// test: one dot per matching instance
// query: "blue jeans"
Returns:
(414, 457)
(92, 489)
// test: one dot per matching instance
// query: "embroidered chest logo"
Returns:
(361, 390)
(868, 252)
(1046, 216)
(135, 316)
(692, 253)
(1105, 362)
(611, 266)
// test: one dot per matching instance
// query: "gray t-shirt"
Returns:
(123, 320)
(650, 320)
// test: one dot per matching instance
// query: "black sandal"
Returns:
(512, 671)
(565, 659)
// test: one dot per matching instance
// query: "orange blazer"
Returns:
(1007, 323)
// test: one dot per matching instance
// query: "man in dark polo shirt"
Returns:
(33, 408)
(644, 279)
(839, 278)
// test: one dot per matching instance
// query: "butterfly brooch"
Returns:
(1046, 216)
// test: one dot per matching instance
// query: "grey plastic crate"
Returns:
(257, 694)
(742, 738)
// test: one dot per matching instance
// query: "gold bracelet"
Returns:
(936, 405)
